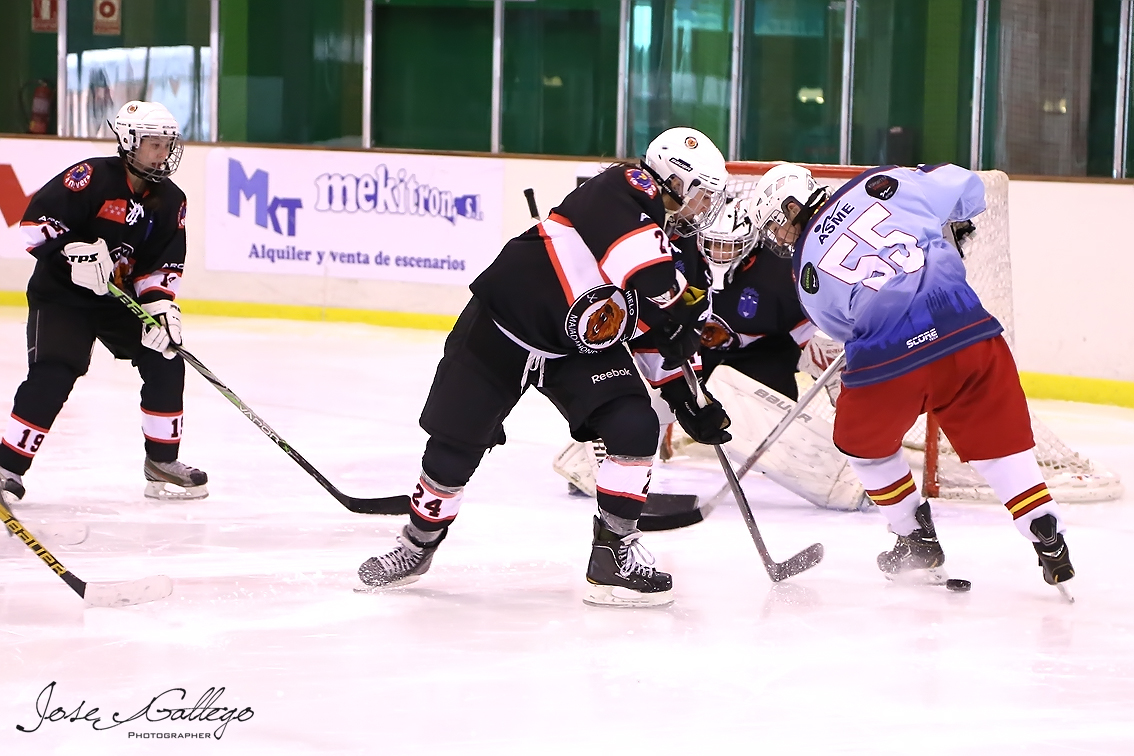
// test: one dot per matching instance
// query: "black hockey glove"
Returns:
(679, 337)
(705, 425)
(961, 231)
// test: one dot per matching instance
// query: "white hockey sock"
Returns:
(1018, 483)
(23, 438)
(620, 475)
(890, 484)
(434, 502)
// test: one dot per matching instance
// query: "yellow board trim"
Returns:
(1036, 385)
(1071, 388)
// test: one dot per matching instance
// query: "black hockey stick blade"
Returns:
(804, 560)
(666, 511)
(385, 505)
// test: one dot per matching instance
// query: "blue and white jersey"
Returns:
(873, 270)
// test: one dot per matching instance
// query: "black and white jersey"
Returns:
(579, 281)
(144, 232)
(759, 301)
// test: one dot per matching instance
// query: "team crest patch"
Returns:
(181, 216)
(809, 279)
(642, 181)
(691, 142)
(748, 302)
(717, 335)
(881, 187)
(601, 317)
(78, 177)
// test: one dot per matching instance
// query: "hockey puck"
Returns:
(958, 586)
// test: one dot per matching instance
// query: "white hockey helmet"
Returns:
(728, 240)
(136, 121)
(690, 170)
(785, 199)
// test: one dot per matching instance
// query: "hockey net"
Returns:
(1070, 476)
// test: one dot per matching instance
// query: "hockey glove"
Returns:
(961, 231)
(90, 265)
(165, 337)
(680, 337)
(705, 425)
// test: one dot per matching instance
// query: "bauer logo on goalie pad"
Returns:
(601, 317)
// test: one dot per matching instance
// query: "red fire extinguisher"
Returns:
(42, 103)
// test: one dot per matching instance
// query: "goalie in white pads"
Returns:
(873, 269)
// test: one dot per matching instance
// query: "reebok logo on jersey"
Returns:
(921, 338)
(610, 374)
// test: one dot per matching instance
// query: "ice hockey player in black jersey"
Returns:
(104, 219)
(553, 310)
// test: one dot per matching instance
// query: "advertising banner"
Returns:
(25, 166)
(363, 215)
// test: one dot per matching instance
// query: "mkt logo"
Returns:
(387, 191)
(255, 187)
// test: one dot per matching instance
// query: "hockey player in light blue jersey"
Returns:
(874, 270)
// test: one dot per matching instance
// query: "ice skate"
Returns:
(11, 487)
(616, 577)
(402, 566)
(1054, 556)
(917, 557)
(187, 482)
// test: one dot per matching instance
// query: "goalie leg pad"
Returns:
(803, 460)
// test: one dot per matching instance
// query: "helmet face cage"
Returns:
(784, 194)
(692, 172)
(731, 236)
(135, 124)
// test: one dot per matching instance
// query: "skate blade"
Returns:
(617, 596)
(1065, 592)
(128, 594)
(159, 489)
(930, 576)
(364, 588)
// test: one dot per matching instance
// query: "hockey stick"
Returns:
(783, 424)
(95, 594)
(388, 505)
(529, 195)
(777, 571)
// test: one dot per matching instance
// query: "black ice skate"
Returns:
(402, 566)
(916, 557)
(1054, 556)
(11, 487)
(615, 577)
(188, 482)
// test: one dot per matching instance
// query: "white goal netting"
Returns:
(1070, 476)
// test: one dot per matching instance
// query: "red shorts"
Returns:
(975, 394)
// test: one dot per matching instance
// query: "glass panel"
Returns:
(913, 82)
(1104, 83)
(792, 80)
(433, 74)
(680, 58)
(560, 77)
(27, 77)
(291, 71)
(1041, 112)
(160, 53)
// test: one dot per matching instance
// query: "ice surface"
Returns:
(493, 651)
